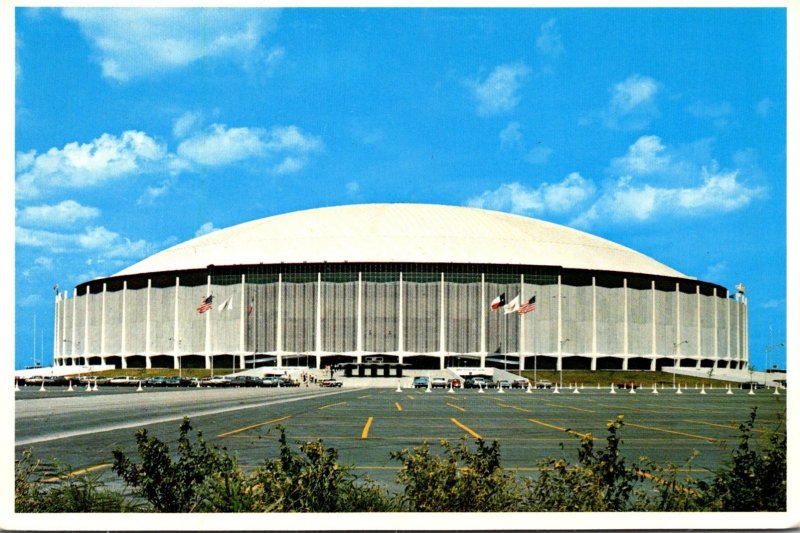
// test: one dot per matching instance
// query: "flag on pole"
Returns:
(205, 304)
(498, 301)
(250, 308)
(226, 304)
(513, 305)
(528, 307)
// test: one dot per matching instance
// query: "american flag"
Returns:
(205, 304)
(528, 307)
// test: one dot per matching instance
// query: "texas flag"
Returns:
(499, 301)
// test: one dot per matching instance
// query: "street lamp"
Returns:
(561, 372)
(676, 349)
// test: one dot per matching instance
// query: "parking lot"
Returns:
(81, 429)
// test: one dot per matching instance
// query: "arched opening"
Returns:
(706, 363)
(96, 360)
(639, 363)
(114, 360)
(722, 363)
(688, 363)
(609, 363)
(661, 362)
(162, 361)
(508, 362)
(421, 362)
(135, 361)
(462, 361)
(193, 361)
(333, 360)
(540, 362)
(224, 363)
(576, 362)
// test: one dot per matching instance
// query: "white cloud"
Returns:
(623, 202)
(716, 271)
(290, 138)
(289, 165)
(772, 304)
(32, 300)
(66, 212)
(511, 134)
(137, 42)
(151, 193)
(205, 229)
(96, 239)
(43, 262)
(85, 165)
(549, 40)
(764, 106)
(632, 105)
(556, 198)
(185, 123)
(498, 93)
(220, 145)
(643, 157)
(538, 155)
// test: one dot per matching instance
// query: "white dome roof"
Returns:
(408, 233)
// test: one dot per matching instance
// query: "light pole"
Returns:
(676, 349)
(561, 371)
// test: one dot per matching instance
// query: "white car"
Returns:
(439, 382)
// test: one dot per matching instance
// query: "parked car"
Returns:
(455, 382)
(245, 381)
(503, 383)
(156, 381)
(177, 381)
(124, 380)
(628, 385)
(753, 385)
(420, 382)
(288, 382)
(215, 381)
(474, 383)
(519, 383)
(270, 381)
(330, 383)
(489, 383)
(439, 383)
(544, 384)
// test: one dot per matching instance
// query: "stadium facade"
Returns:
(400, 283)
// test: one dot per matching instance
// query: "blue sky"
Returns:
(661, 129)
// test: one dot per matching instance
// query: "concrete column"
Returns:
(147, 340)
(64, 325)
(625, 322)
(401, 337)
(699, 329)
(242, 322)
(594, 321)
(521, 329)
(208, 355)
(678, 341)
(728, 327)
(716, 329)
(175, 327)
(560, 344)
(123, 344)
(85, 327)
(103, 327)
(279, 322)
(483, 313)
(74, 350)
(56, 347)
(318, 324)
(738, 329)
(442, 338)
(359, 321)
(745, 332)
(655, 321)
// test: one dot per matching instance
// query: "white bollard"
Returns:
(576, 391)
(598, 385)
(752, 392)
(555, 391)
(679, 389)
(451, 391)
(655, 389)
(94, 388)
(480, 388)
(70, 389)
(16, 386)
(633, 390)
(140, 389)
(528, 390)
(703, 389)
(776, 393)
(399, 389)
(42, 389)
(429, 386)
(88, 387)
(612, 389)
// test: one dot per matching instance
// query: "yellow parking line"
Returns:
(707, 439)
(559, 428)
(77, 472)
(520, 409)
(723, 426)
(465, 428)
(365, 431)
(456, 406)
(365, 396)
(235, 431)
(332, 405)
(410, 397)
(399, 408)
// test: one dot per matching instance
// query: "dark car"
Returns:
(753, 385)
(177, 381)
(156, 381)
(245, 381)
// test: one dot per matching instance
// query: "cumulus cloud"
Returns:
(625, 201)
(205, 229)
(643, 157)
(514, 197)
(86, 165)
(152, 193)
(221, 145)
(185, 123)
(538, 155)
(632, 105)
(718, 113)
(63, 213)
(548, 42)
(136, 42)
(764, 106)
(93, 238)
(511, 134)
(498, 92)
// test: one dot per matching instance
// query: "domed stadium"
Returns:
(411, 285)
